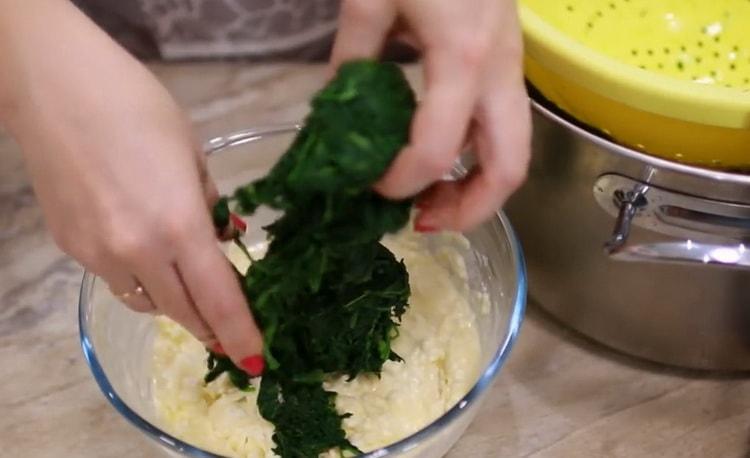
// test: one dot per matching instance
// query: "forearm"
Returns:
(45, 46)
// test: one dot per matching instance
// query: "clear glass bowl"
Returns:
(117, 343)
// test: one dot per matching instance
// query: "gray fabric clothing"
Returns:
(199, 29)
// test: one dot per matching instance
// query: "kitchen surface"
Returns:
(559, 395)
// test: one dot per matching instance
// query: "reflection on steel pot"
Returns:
(642, 254)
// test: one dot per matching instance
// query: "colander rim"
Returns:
(642, 89)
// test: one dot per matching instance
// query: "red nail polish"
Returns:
(218, 349)
(421, 204)
(423, 228)
(253, 365)
(238, 223)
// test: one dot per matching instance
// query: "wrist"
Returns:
(52, 56)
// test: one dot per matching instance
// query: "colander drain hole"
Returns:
(706, 42)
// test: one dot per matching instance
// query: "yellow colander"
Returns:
(671, 78)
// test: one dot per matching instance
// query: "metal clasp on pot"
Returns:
(710, 232)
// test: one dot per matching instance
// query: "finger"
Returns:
(213, 284)
(401, 33)
(166, 288)
(211, 195)
(438, 128)
(502, 143)
(125, 285)
(210, 191)
(362, 31)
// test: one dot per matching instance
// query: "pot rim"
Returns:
(543, 107)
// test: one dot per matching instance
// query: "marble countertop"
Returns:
(558, 395)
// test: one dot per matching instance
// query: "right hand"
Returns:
(474, 94)
(121, 182)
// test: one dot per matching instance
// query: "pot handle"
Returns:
(684, 252)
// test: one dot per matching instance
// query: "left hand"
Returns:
(474, 94)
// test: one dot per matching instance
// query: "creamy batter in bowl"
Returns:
(489, 291)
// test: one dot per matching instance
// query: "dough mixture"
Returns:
(438, 341)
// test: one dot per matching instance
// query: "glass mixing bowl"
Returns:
(117, 343)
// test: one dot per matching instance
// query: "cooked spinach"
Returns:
(327, 295)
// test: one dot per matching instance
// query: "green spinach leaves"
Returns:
(327, 295)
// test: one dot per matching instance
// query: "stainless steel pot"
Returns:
(644, 255)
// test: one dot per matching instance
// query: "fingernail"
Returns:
(425, 223)
(424, 228)
(253, 365)
(217, 348)
(238, 222)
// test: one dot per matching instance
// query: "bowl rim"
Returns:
(483, 383)
(646, 90)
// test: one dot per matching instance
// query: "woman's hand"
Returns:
(121, 182)
(474, 92)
